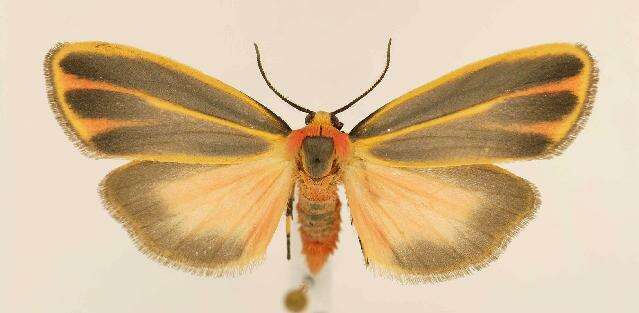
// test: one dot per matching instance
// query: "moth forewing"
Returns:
(524, 104)
(118, 101)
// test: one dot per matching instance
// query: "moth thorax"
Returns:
(317, 156)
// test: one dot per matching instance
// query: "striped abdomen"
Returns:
(318, 215)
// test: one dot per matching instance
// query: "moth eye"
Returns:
(336, 123)
(309, 118)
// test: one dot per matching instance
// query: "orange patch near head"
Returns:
(341, 141)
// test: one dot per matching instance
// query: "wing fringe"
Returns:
(55, 104)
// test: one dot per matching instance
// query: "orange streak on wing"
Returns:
(571, 84)
(548, 129)
(70, 82)
(102, 125)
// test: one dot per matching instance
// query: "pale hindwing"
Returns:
(206, 219)
(435, 224)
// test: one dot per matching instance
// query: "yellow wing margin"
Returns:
(118, 101)
(524, 104)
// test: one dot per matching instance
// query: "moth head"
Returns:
(324, 119)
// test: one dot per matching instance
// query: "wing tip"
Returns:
(584, 115)
(56, 106)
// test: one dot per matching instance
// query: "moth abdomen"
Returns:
(319, 218)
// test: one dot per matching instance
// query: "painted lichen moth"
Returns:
(213, 170)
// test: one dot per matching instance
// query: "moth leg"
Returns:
(289, 219)
(362, 248)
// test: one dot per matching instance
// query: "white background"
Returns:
(61, 252)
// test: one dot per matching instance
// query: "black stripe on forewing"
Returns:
(96, 103)
(470, 89)
(169, 85)
(446, 143)
(490, 134)
(161, 132)
(195, 139)
(542, 107)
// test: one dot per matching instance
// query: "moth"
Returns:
(213, 170)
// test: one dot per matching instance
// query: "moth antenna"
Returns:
(373, 86)
(259, 65)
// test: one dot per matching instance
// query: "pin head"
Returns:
(296, 300)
